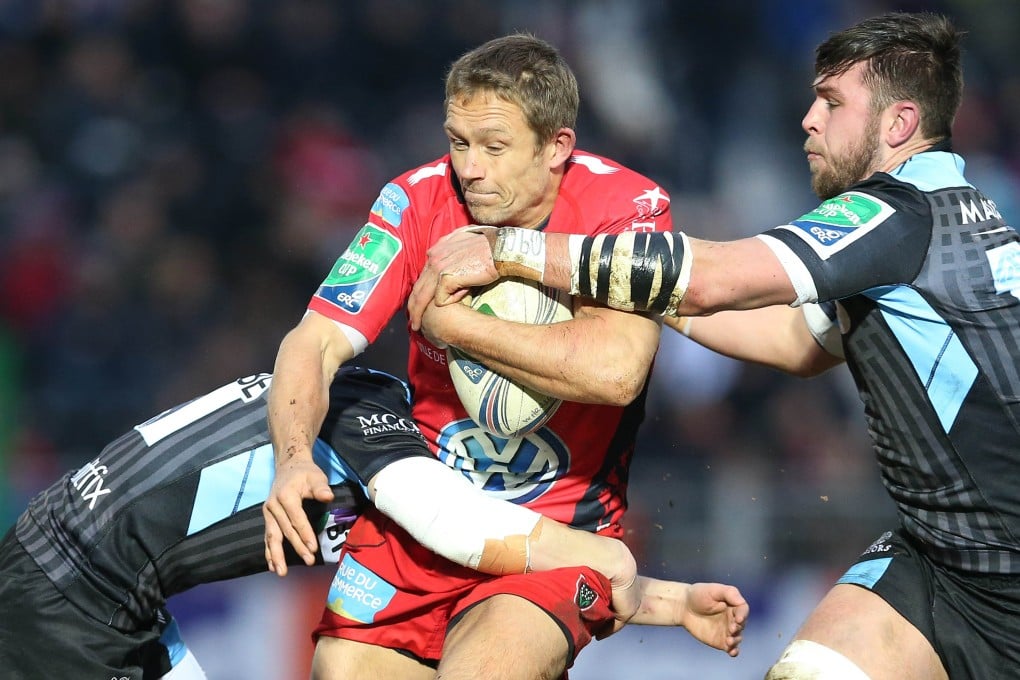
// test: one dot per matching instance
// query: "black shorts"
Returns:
(972, 620)
(369, 421)
(43, 635)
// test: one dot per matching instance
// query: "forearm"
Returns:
(556, 359)
(447, 514)
(662, 602)
(559, 545)
(299, 395)
(297, 404)
(761, 335)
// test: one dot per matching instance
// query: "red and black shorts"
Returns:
(392, 592)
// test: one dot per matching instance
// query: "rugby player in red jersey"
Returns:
(511, 108)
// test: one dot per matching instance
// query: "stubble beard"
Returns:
(855, 165)
(486, 215)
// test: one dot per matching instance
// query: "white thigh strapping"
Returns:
(807, 660)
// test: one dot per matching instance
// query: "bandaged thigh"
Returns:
(807, 660)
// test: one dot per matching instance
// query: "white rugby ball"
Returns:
(495, 403)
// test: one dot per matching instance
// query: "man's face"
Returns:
(843, 134)
(506, 180)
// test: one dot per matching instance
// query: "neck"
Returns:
(899, 155)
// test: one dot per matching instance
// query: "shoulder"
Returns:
(587, 172)
(422, 189)
(891, 194)
(599, 190)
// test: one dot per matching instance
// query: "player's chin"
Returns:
(486, 214)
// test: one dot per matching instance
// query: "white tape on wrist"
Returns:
(525, 247)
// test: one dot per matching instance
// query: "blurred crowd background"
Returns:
(177, 177)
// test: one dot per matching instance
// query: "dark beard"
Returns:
(849, 169)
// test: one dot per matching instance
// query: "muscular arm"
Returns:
(776, 336)
(600, 356)
(308, 358)
(666, 273)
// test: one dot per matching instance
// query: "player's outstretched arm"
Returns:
(801, 341)
(661, 272)
(447, 514)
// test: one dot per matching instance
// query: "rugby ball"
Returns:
(495, 403)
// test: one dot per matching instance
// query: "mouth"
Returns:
(812, 154)
(477, 196)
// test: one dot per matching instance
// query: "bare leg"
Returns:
(865, 629)
(338, 659)
(504, 637)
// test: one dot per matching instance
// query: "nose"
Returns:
(812, 122)
(472, 167)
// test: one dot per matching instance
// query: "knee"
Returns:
(807, 660)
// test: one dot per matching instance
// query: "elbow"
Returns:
(802, 371)
(617, 387)
(812, 365)
(700, 301)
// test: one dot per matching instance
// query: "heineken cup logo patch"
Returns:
(585, 596)
(840, 221)
(358, 271)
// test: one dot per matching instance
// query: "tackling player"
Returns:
(176, 502)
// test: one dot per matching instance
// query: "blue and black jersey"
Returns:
(177, 500)
(926, 274)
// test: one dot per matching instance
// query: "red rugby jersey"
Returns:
(575, 468)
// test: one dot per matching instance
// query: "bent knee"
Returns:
(807, 660)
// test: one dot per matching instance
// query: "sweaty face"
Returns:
(506, 180)
(843, 134)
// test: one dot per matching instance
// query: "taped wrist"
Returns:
(522, 247)
(632, 271)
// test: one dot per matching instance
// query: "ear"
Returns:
(562, 147)
(900, 123)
